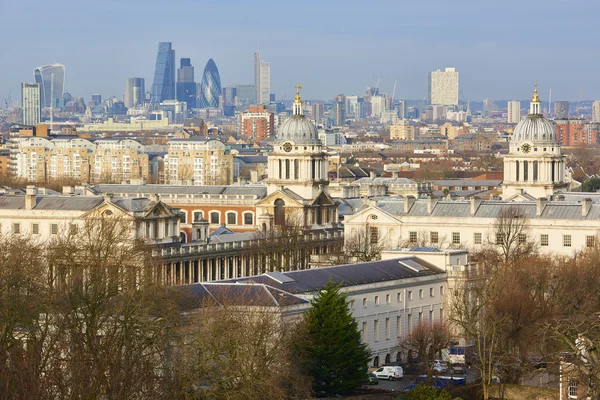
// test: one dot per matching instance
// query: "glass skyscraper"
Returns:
(135, 92)
(51, 78)
(163, 87)
(210, 90)
(186, 87)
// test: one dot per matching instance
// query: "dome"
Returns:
(534, 128)
(299, 130)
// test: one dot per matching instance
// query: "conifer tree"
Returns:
(336, 357)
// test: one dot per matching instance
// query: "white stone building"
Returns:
(443, 87)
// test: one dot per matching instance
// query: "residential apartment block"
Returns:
(257, 123)
(198, 161)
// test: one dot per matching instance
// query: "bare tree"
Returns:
(365, 244)
(427, 340)
(511, 234)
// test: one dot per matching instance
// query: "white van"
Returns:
(390, 373)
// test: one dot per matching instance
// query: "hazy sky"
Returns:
(330, 46)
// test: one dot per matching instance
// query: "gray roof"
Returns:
(312, 280)
(254, 189)
(134, 205)
(349, 206)
(385, 181)
(251, 159)
(52, 202)
(465, 182)
(232, 237)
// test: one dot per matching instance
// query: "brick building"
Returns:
(257, 123)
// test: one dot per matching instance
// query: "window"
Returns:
(214, 217)
(431, 292)
(399, 297)
(412, 237)
(35, 229)
(352, 304)
(499, 237)
(477, 238)
(441, 290)
(16, 228)
(182, 217)
(566, 240)
(376, 329)
(409, 323)
(54, 229)
(231, 218)
(198, 215)
(522, 238)
(544, 240)
(374, 235)
(431, 316)
(410, 294)
(376, 300)
(398, 325)
(387, 328)
(420, 293)
(365, 336)
(364, 302)
(572, 389)
(434, 237)
(455, 237)
(73, 228)
(590, 241)
(248, 219)
(420, 317)
(388, 299)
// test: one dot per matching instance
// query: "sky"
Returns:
(329, 46)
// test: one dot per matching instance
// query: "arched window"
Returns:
(552, 165)
(231, 218)
(214, 217)
(296, 169)
(279, 212)
(399, 356)
(198, 215)
(182, 237)
(535, 171)
(248, 218)
(198, 233)
(517, 164)
(280, 169)
(388, 358)
(525, 171)
(313, 169)
(287, 169)
(376, 361)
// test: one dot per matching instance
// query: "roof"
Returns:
(52, 202)
(258, 190)
(312, 280)
(465, 182)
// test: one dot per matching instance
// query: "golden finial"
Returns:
(535, 97)
(298, 87)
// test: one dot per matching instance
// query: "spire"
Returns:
(297, 110)
(534, 106)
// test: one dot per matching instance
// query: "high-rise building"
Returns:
(186, 87)
(401, 108)
(377, 106)
(97, 99)
(229, 95)
(246, 94)
(262, 80)
(31, 100)
(339, 110)
(596, 111)
(51, 78)
(163, 87)
(257, 123)
(402, 130)
(443, 87)
(210, 89)
(561, 110)
(135, 92)
(514, 112)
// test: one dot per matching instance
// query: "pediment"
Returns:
(371, 215)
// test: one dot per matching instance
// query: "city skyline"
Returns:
(333, 54)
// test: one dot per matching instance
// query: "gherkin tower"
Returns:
(210, 89)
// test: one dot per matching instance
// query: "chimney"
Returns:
(475, 203)
(253, 176)
(372, 175)
(68, 190)
(431, 203)
(30, 197)
(395, 174)
(540, 205)
(107, 197)
(155, 197)
(408, 203)
(586, 205)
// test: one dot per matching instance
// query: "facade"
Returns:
(377, 106)
(257, 123)
(52, 83)
(596, 111)
(443, 87)
(141, 124)
(339, 110)
(262, 80)
(576, 132)
(163, 87)
(402, 131)
(561, 110)
(186, 86)
(210, 89)
(31, 101)
(514, 112)
(135, 93)
(246, 94)
(198, 161)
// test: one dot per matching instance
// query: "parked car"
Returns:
(459, 369)
(372, 379)
(390, 373)
(440, 366)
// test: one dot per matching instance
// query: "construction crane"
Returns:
(394, 92)
(579, 103)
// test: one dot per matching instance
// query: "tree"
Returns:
(427, 340)
(511, 234)
(424, 392)
(337, 359)
(364, 244)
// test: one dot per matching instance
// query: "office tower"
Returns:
(377, 106)
(246, 94)
(401, 108)
(163, 87)
(561, 110)
(352, 106)
(317, 112)
(443, 87)
(135, 92)
(229, 95)
(31, 97)
(514, 112)
(97, 99)
(52, 83)
(186, 87)
(339, 110)
(210, 89)
(596, 111)
(262, 79)
(257, 123)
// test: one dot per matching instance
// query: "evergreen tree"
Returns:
(336, 357)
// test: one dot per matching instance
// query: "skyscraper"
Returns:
(163, 87)
(514, 112)
(596, 111)
(443, 87)
(186, 87)
(339, 110)
(246, 94)
(210, 89)
(97, 99)
(262, 80)
(561, 110)
(51, 78)
(134, 92)
(31, 100)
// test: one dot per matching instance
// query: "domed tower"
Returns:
(298, 162)
(535, 165)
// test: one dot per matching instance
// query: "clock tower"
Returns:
(535, 165)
